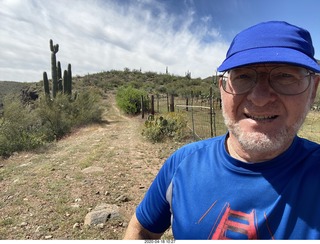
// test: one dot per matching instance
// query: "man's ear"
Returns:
(220, 82)
(316, 81)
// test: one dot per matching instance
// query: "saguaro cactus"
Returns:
(69, 79)
(59, 84)
(54, 49)
(59, 77)
(46, 84)
(65, 82)
(59, 70)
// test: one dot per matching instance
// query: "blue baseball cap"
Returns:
(271, 42)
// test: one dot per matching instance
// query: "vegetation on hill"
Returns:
(12, 87)
(25, 127)
(27, 124)
(150, 82)
(32, 123)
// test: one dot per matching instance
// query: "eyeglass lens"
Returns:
(287, 80)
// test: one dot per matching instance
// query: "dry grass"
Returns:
(311, 127)
(46, 195)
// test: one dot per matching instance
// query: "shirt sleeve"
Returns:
(154, 212)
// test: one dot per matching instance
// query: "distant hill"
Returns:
(109, 80)
(12, 87)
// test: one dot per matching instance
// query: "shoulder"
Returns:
(189, 155)
(203, 148)
(309, 152)
(307, 146)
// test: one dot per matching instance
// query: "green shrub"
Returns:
(171, 125)
(60, 115)
(23, 128)
(87, 108)
(129, 100)
(20, 129)
(56, 116)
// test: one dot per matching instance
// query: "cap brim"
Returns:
(269, 55)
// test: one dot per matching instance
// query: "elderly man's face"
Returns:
(262, 121)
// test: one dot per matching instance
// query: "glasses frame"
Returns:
(225, 79)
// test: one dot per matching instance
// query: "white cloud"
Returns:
(102, 35)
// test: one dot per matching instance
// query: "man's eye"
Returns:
(243, 76)
(286, 75)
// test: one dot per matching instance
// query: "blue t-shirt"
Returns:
(204, 193)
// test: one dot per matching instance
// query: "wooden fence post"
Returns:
(211, 113)
(192, 118)
(142, 107)
(172, 103)
(187, 103)
(152, 104)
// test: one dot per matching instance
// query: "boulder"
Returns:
(101, 214)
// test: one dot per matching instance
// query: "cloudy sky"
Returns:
(101, 35)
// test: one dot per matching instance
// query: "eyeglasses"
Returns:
(285, 80)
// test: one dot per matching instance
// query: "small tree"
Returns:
(129, 100)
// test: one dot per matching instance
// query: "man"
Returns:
(260, 180)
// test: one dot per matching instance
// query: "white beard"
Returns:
(262, 143)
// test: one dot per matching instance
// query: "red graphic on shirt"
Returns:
(231, 224)
(235, 222)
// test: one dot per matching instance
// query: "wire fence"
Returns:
(205, 120)
(204, 115)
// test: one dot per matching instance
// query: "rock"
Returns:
(76, 225)
(8, 197)
(122, 198)
(100, 226)
(101, 214)
(92, 169)
(39, 229)
(75, 205)
(23, 224)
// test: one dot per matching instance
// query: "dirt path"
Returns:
(46, 195)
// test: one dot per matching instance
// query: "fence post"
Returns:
(152, 104)
(211, 112)
(142, 107)
(172, 103)
(187, 103)
(192, 119)
(168, 107)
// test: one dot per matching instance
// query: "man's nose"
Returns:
(262, 93)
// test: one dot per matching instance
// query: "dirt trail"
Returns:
(46, 195)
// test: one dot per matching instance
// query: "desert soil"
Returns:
(47, 194)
